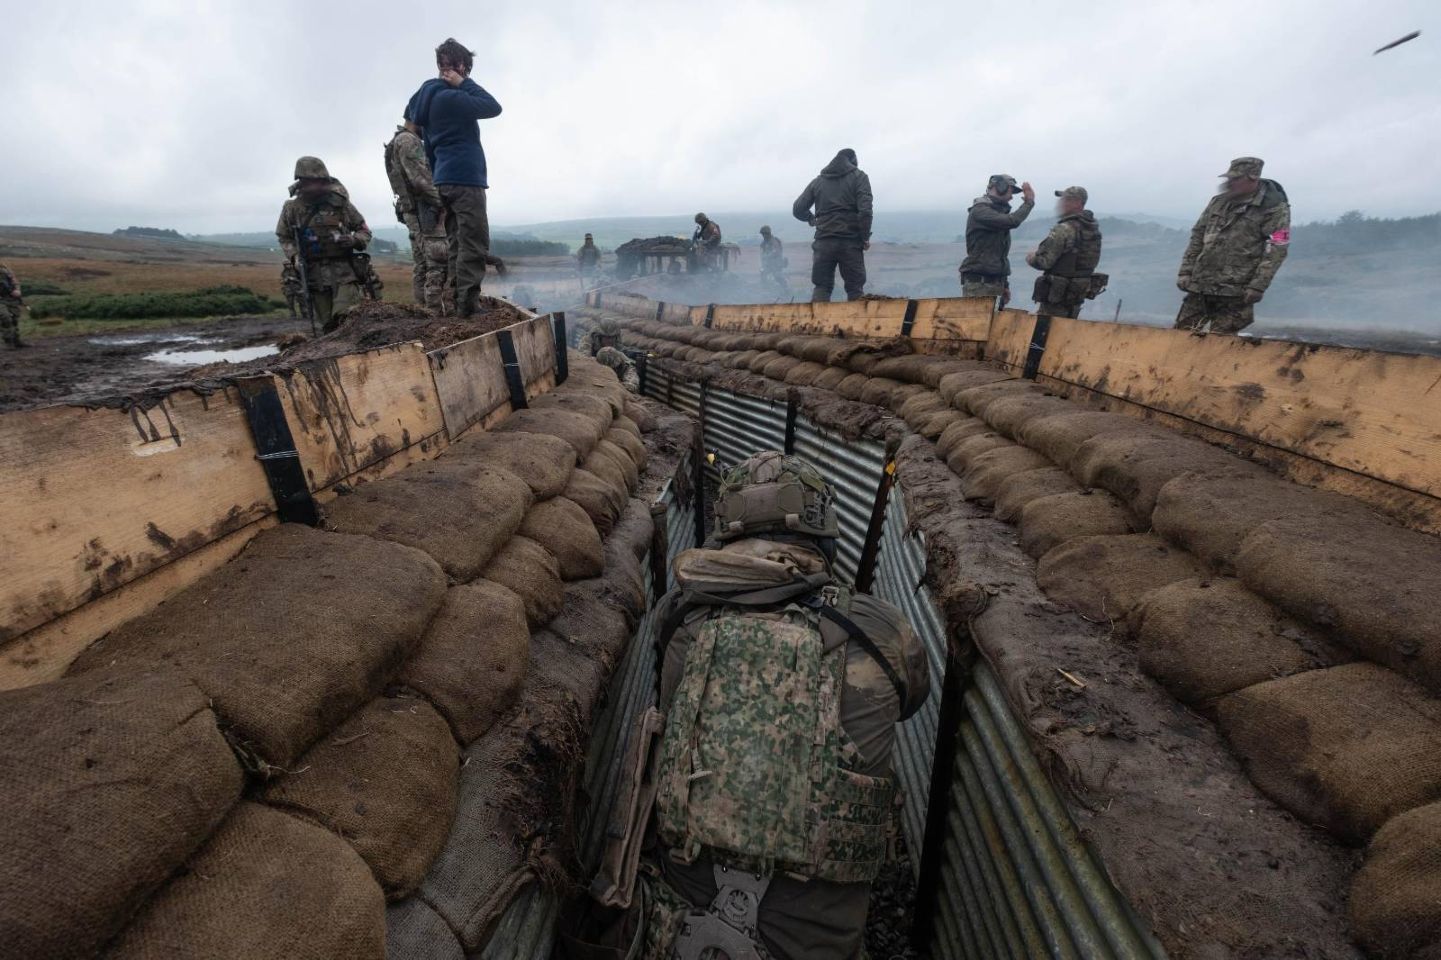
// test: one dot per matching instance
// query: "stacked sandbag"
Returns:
(111, 781)
(1060, 435)
(1395, 904)
(1135, 466)
(288, 639)
(1104, 577)
(989, 473)
(544, 462)
(601, 501)
(533, 573)
(562, 527)
(1345, 748)
(1022, 488)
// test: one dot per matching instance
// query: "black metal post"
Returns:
(562, 347)
(700, 465)
(275, 449)
(908, 323)
(938, 804)
(1037, 348)
(791, 411)
(866, 569)
(510, 363)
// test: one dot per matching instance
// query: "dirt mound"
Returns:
(111, 781)
(1021, 488)
(1345, 748)
(372, 324)
(562, 527)
(1048, 522)
(1396, 897)
(1202, 639)
(288, 639)
(533, 573)
(1104, 577)
(268, 886)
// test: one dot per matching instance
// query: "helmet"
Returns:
(765, 231)
(700, 218)
(609, 326)
(771, 492)
(311, 168)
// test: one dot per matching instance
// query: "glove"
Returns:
(1252, 296)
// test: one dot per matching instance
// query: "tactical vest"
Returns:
(755, 769)
(404, 203)
(321, 225)
(1074, 278)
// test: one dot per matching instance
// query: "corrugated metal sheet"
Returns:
(855, 469)
(737, 426)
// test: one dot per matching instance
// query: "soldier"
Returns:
(790, 687)
(11, 303)
(417, 205)
(290, 286)
(1236, 248)
(606, 333)
(986, 271)
(773, 259)
(1068, 258)
(622, 365)
(330, 230)
(838, 204)
(587, 261)
(706, 242)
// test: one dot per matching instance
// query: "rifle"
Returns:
(361, 273)
(307, 305)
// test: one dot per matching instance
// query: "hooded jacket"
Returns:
(447, 116)
(988, 235)
(838, 202)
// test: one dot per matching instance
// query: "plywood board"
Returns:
(1373, 413)
(95, 498)
(1010, 337)
(470, 381)
(351, 412)
(953, 318)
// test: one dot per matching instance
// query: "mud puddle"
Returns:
(195, 358)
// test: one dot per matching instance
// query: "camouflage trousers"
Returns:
(334, 289)
(1200, 311)
(10, 323)
(430, 274)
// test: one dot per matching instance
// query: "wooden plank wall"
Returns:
(111, 510)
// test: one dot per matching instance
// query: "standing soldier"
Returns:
(986, 271)
(1236, 248)
(773, 259)
(11, 303)
(706, 241)
(417, 205)
(290, 286)
(838, 204)
(1068, 258)
(786, 687)
(587, 261)
(328, 228)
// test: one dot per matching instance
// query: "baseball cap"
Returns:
(1074, 193)
(1245, 167)
(1003, 180)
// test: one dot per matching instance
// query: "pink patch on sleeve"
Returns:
(1281, 237)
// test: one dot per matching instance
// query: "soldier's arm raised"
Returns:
(1277, 227)
(987, 215)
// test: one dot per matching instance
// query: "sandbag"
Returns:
(627, 425)
(111, 780)
(1135, 466)
(850, 386)
(580, 431)
(779, 367)
(543, 462)
(630, 443)
(1202, 639)
(953, 384)
(268, 886)
(1103, 577)
(595, 620)
(1021, 488)
(630, 473)
(765, 357)
(804, 373)
(1374, 583)
(533, 573)
(1211, 516)
(906, 392)
(562, 527)
(1346, 748)
(740, 361)
(961, 455)
(471, 662)
(591, 390)
(988, 473)
(639, 414)
(1060, 435)
(385, 781)
(624, 549)
(923, 403)
(1395, 905)
(609, 468)
(1007, 415)
(289, 638)
(878, 391)
(602, 501)
(962, 428)
(1048, 522)
(908, 369)
(458, 513)
(976, 399)
(932, 426)
(413, 931)
(830, 377)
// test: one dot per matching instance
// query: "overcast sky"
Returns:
(190, 115)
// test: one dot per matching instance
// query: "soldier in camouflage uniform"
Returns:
(624, 369)
(706, 242)
(587, 261)
(1236, 248)
(417, 205)
(1068, 258)
(986, 270)
(331, 230)
(10, 306)
(785, 687)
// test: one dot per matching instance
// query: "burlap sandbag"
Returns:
(268, 886)
(961, 455)
(625, 548)
(1203, 639)
(578, 430)
(850, 386)
(878, 391)
(110, 781)
(588, 403)
(413, 931)
(533, 573)
(566, 531)
(639, 414)
(1060, 435)
(1135, 466)
(761, 360)
(619, 459)
(932, 425)
(908, 369)
(458, 513)
(988, 473)
(543, 462)
(963, 427)
(698, 355)
(291, 637)
(779, 367)
(471, 662)
(1021, 488)
(952, 384)
(1007, 415)
(977, 399)
(601, 501)
(906, 392)
(630, 443)
(1395, 906)
(385, 781)
(626, 424)
(1103, 577)
(830, 377)
(740, 361)
(1211, 516)
(1346, 748)
(588, 379)
(1375, 583)
(1048, 522)
(923, 403)
(804, 373)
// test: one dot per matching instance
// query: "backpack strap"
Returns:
(867, 644)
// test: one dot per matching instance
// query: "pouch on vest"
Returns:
(1098, 285)
(1041, 292)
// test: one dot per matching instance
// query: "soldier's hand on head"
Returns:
(452, 78)
(1252, 296)
(1028, 194)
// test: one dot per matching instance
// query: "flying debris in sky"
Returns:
(1396, 43)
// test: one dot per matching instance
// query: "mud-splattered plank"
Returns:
(1010, 338)
(470, 378)
(95, 498)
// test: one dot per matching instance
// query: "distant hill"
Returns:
(154, 232)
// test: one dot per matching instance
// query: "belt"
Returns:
(985, 277)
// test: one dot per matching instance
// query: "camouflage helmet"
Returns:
(609, 326)
(311, 168)
(771, 492)
(765, 231)
(701, 218)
